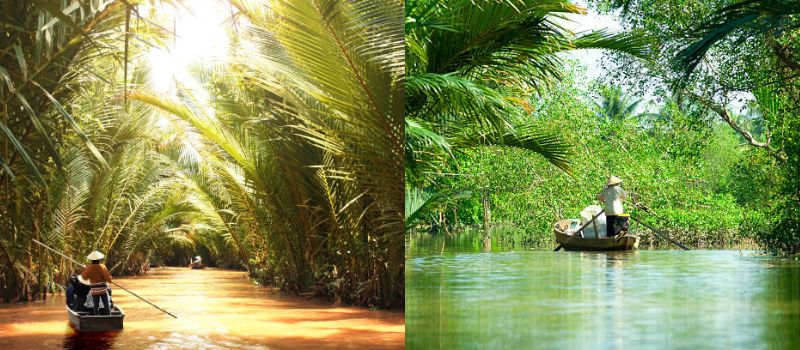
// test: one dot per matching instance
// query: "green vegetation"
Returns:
(470, 70)
(735, 48)
(290, 168)
(688, 155)
(691, 174)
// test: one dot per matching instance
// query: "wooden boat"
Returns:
(572, 242)
(85, 322)
(197, 265)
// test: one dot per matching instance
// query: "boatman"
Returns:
(612, 196)
(99, 277)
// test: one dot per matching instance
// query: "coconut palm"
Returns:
(44, 45)
(473, 66)
(126, 205)
(292, 170)
(613, 104)
(768, 19)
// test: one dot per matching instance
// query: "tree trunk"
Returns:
(723, 113)
(487, 217)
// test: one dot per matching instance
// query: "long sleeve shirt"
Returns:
(612, 196)
(96, 273)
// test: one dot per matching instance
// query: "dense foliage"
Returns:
(54, 177)
(291, 168)
(471, 68)
(718, 52)
(687, 169)
(682, 156)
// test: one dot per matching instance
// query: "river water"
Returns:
(651, 299)
(216, 309)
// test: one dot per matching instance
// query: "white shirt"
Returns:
(613, 196)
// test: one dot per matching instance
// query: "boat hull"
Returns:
(101, 323)
(575, 243)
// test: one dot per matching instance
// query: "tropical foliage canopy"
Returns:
(286, 163)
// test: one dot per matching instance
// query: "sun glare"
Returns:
(200, 38)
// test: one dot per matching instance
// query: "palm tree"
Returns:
(293, 169)
(472, 66)
(43, 47)
(307, 143)
(768, 19)
(613, 104)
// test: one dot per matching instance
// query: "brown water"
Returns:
(216, 309)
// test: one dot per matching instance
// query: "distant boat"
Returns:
(85, 322)
(197, 265)
(572, 242)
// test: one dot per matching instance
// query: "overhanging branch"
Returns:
(723, 113)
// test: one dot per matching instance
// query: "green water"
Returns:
(651, 299)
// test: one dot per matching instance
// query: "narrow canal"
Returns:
(216, 309)
(651, 299)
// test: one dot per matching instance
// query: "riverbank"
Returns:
(505, 240)
(216, 309)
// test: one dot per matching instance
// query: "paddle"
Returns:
(583, 227)
(114, 283)
(664, 236)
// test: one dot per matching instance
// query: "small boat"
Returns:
(85, 322)
(197, 263)
(572, 242)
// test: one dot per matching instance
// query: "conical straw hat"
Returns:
(95, 255)
(613, 180)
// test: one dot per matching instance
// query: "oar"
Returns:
(658, 217)
(583, 227)
(664, 236)
(114, 283)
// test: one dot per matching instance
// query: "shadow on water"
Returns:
(89, 340)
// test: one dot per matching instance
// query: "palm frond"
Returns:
(630, 43)
(420, 203)
(747, 18)
(550, 146)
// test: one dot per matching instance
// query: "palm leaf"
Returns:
(751, 18)
(420, 203)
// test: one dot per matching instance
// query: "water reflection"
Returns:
(640, 299)
(89, 340)
(216, 309)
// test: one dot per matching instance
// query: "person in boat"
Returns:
(82, 290)
(77, 292)
(88, 304)
(197, 263)
(99, 278)
(70, 294)
(612, 197)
